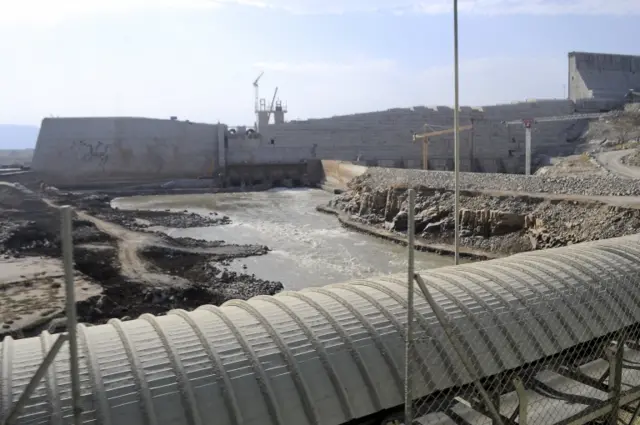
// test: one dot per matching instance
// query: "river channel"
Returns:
(308, 248)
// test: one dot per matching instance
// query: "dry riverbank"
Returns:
(126, 269)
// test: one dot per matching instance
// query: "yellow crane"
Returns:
(425, 140)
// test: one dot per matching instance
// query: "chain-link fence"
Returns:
(539, 341)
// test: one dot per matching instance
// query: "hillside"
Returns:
(17, 143)
(15, 156)
(18, 136)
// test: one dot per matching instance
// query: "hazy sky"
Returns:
(197, 58)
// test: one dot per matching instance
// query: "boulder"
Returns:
(503, 223)
(428, 216)
(400, 222)
(434, 228)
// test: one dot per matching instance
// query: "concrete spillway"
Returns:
(328, 355)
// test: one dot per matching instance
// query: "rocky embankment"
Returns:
(605, 185)
(496, 224)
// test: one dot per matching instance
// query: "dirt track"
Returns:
(129, 246)
(612, 161)
(136, 271)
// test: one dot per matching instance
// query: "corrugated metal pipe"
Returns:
(328, 355)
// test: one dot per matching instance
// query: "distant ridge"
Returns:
(18, 136)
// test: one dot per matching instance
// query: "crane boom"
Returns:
(424, 136)
(425, 140)
(255, 83)
(256, 92)
(273, 101)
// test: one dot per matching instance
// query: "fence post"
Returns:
(408, 370)
(455, 343)
(615, 356)
(523, 401)
(72, 319)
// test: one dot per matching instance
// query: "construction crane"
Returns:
(273, 101)
(528, 127)
(425, 140)
(256, 92)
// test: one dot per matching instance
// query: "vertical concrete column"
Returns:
(472, 148)
(223, 145)
(527, 143)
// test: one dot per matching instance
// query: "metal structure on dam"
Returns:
(335, 355)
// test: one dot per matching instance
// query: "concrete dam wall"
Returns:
(75, 150)
(384, 138)
(602, 76)
(113, 149)
(381, 138)
(84, 150)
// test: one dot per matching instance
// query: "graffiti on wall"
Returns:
(94, 152)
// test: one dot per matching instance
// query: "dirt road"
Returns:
(130, 245)
(612, 161)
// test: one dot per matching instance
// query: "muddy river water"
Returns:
(308, 248)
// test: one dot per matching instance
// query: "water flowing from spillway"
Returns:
(308, 248)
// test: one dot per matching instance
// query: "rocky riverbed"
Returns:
(126, 270)
(496, 224)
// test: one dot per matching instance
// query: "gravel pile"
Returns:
(607, 185)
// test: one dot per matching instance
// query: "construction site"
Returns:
(167, 272)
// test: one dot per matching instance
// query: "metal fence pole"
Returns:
(523, 401)
(456, 136)
(16, 409)
(616, 357)
(455, 343)
(72, 319)
(408, 381)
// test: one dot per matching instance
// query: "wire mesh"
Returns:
(555, 348)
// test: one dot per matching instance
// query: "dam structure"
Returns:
(124, 149)
(547, 337)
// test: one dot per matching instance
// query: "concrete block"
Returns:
(602, 76)
(79, 150)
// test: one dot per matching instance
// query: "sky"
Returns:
(197, 59)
